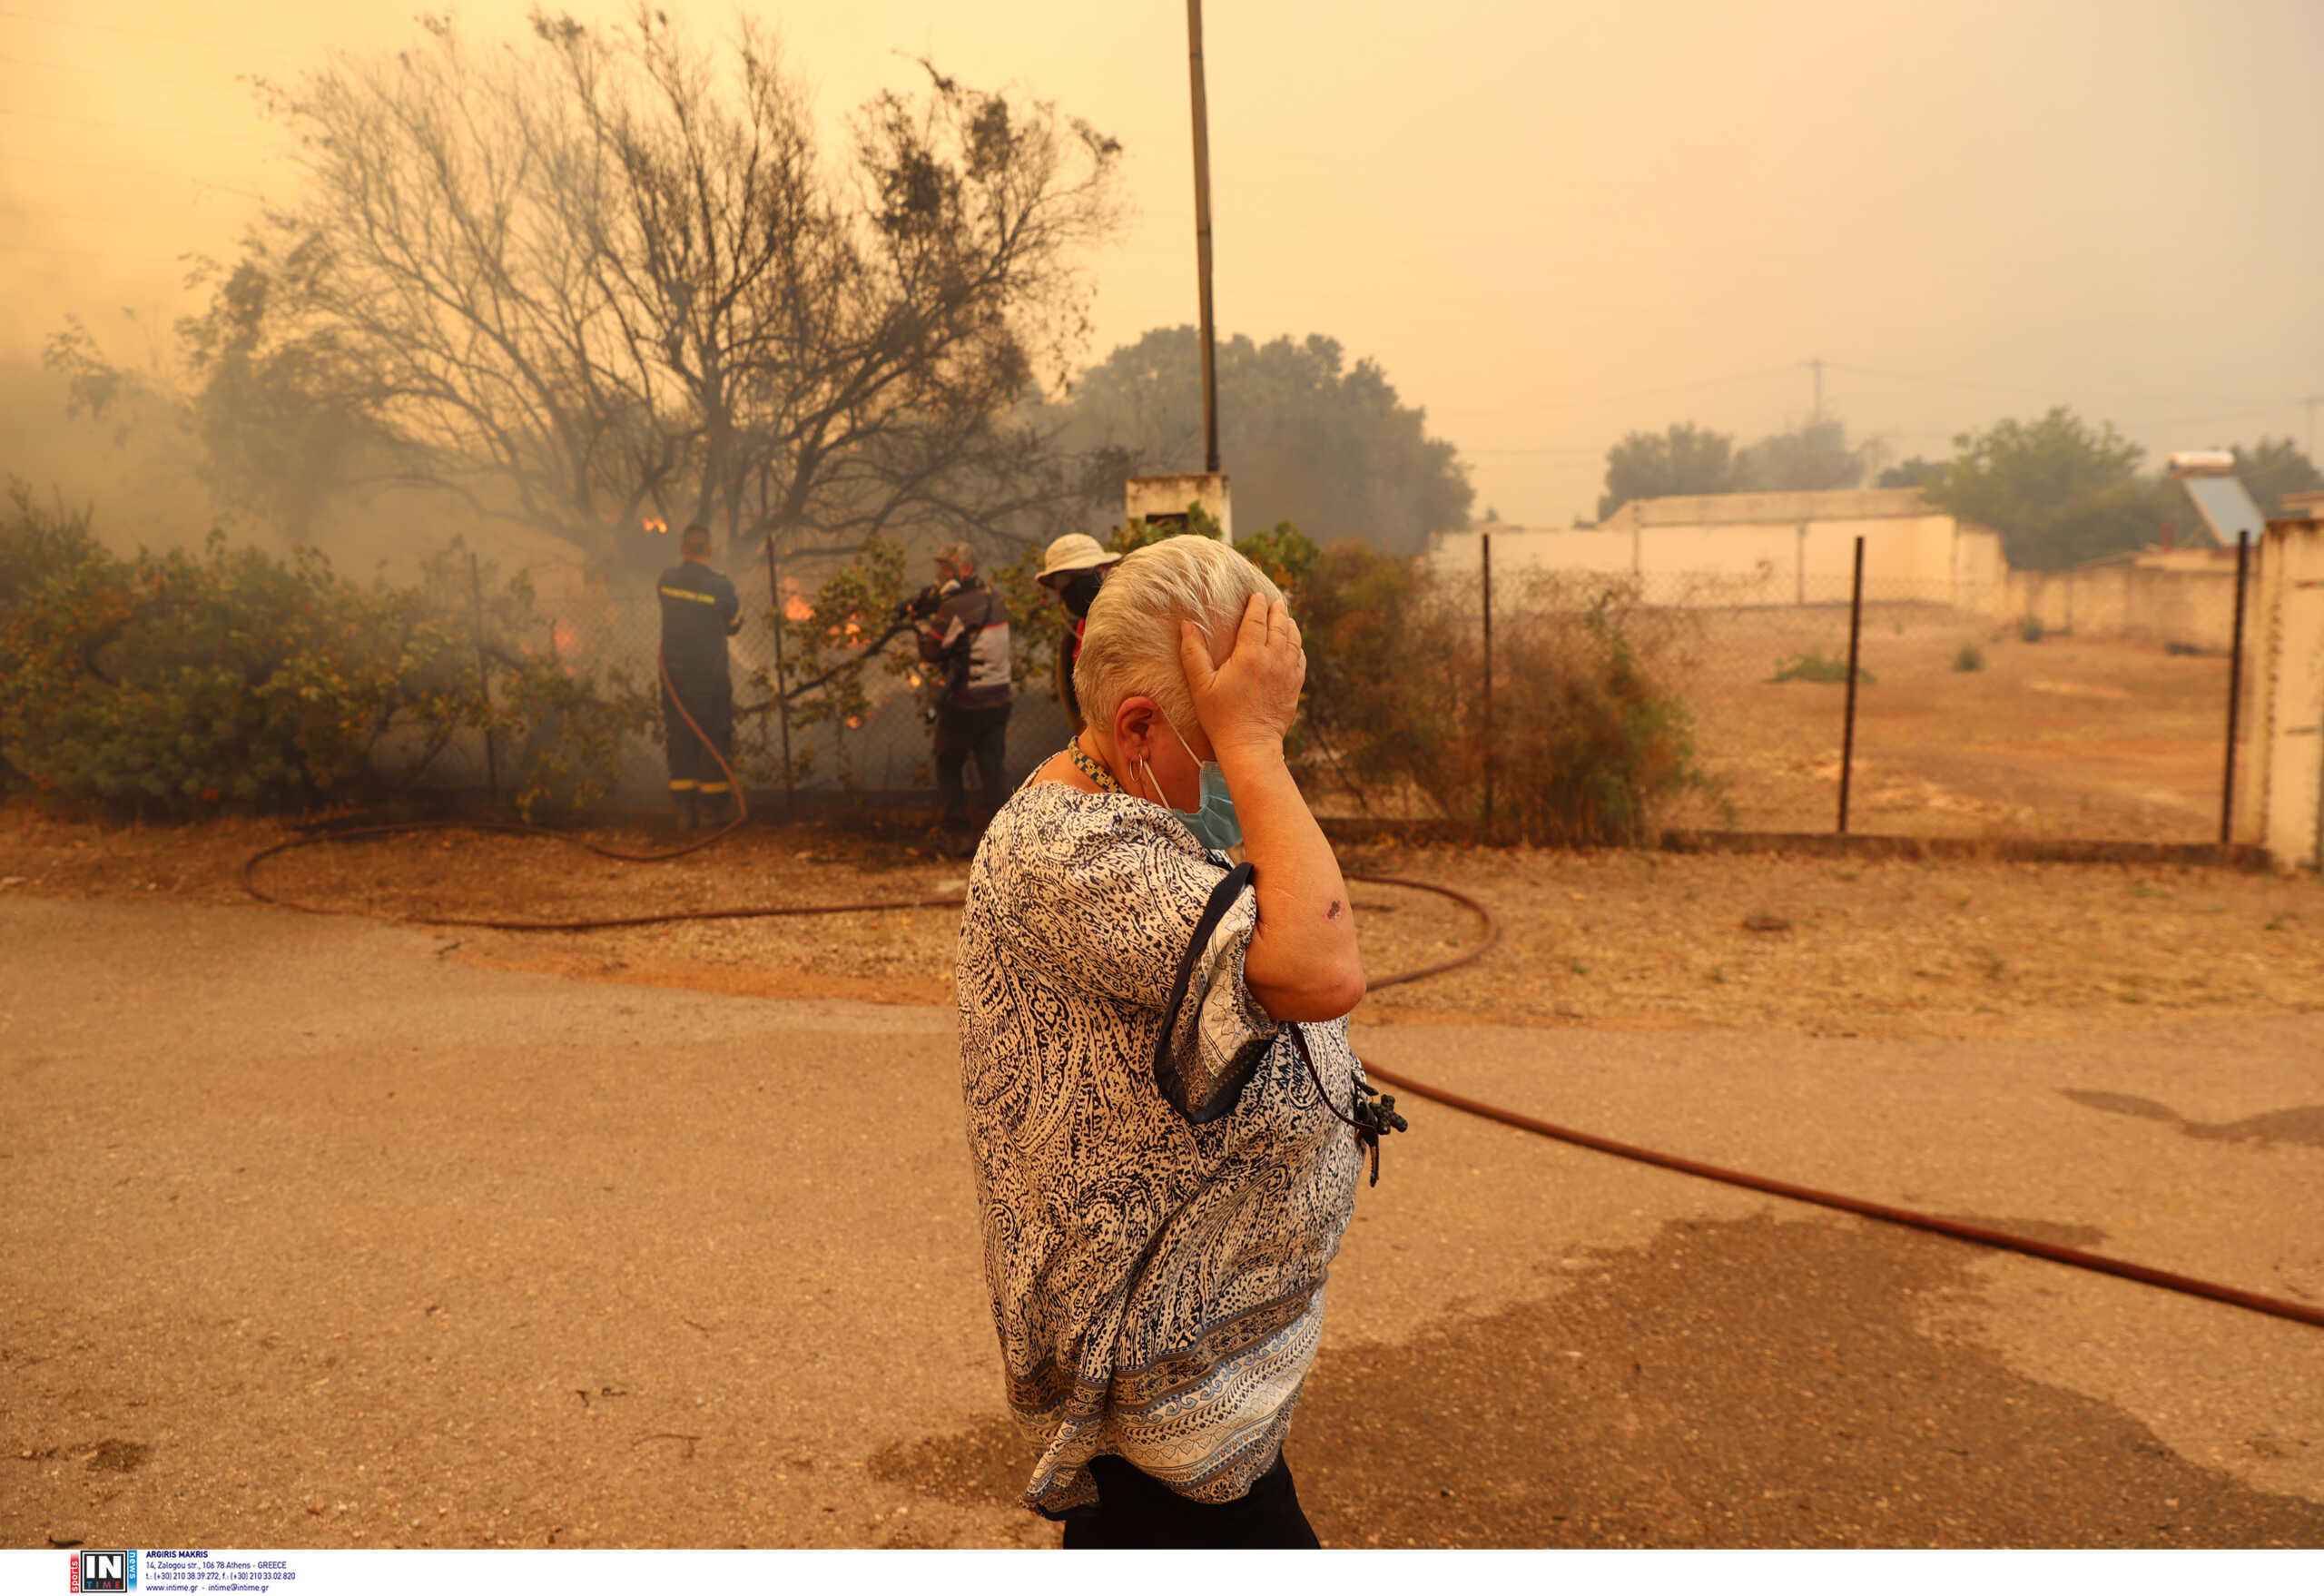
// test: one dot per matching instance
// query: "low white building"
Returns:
(1760, 550)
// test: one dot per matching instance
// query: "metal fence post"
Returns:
(1847, 733)
(1485, 543)
(782, 697)
(2234, 692)
(483, 680)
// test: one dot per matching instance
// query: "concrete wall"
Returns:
(1769, 551)
(2186, 598)
(1758, 550)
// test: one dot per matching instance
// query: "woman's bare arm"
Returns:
(1302, 962)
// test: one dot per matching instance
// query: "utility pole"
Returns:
(1484, 547)
(1818, 367)
(1202, 238)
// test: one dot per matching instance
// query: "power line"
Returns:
(2149, 426)
(2049, 391)
(107, 71)
(101, 28)
(13, 215)
(1647, 392)
(1819, 366)
(104, 164)
(1934, 382)
(101, 254)
(147, 127)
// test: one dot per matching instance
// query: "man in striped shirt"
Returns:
(968, 640)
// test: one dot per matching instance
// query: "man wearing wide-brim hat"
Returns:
(1074, 568)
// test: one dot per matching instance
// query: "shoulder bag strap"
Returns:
(1222, 898)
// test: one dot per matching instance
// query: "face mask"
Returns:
(1079, 589)
(1213, 823)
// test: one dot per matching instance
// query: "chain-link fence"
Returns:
(2088, 705)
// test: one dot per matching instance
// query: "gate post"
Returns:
(2287, 774)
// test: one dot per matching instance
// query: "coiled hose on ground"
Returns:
(2076, 1257)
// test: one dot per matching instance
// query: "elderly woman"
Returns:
(1166, 1118)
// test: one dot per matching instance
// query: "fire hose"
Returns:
(859, 658)
(2076, 1257)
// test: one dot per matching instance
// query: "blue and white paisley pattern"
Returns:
(1157, 1285)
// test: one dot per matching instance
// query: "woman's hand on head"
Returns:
(1302, 962)
(1250, 699)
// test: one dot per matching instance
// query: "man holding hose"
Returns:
(1166, 1122)
(699, 612)
(967, 637)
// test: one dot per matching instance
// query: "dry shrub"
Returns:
(1592, 740)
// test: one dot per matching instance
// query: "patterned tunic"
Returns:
(1158, 1283)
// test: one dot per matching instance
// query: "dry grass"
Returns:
(2068, 737)
(1612, 940)
(1900, 948)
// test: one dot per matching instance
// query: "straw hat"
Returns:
(1076, 551)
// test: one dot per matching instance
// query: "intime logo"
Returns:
(104, 1571)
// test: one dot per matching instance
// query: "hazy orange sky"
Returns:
(1550, 222)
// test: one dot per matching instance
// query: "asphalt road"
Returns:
(317, 1237)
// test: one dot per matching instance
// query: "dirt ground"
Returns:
(2065, 737)
(318, 1237)
(408, 1242)
(1630, 940)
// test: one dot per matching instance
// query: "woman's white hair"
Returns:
(1129, 644)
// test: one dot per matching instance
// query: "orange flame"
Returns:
(797, 608)
(566, 635)
(656, 525)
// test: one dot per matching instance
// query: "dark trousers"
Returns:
(711, 701)
(961, 733)
(1136, 1511)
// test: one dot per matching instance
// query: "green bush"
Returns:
(1283, 551)
(1813, 666)
(169, 683)
(1970, 658)
(2029, 630)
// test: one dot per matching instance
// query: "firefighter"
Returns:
(699, 612)
(1074, 567)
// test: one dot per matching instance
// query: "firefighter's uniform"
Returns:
(699, 612)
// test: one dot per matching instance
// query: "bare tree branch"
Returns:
(606, 270)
